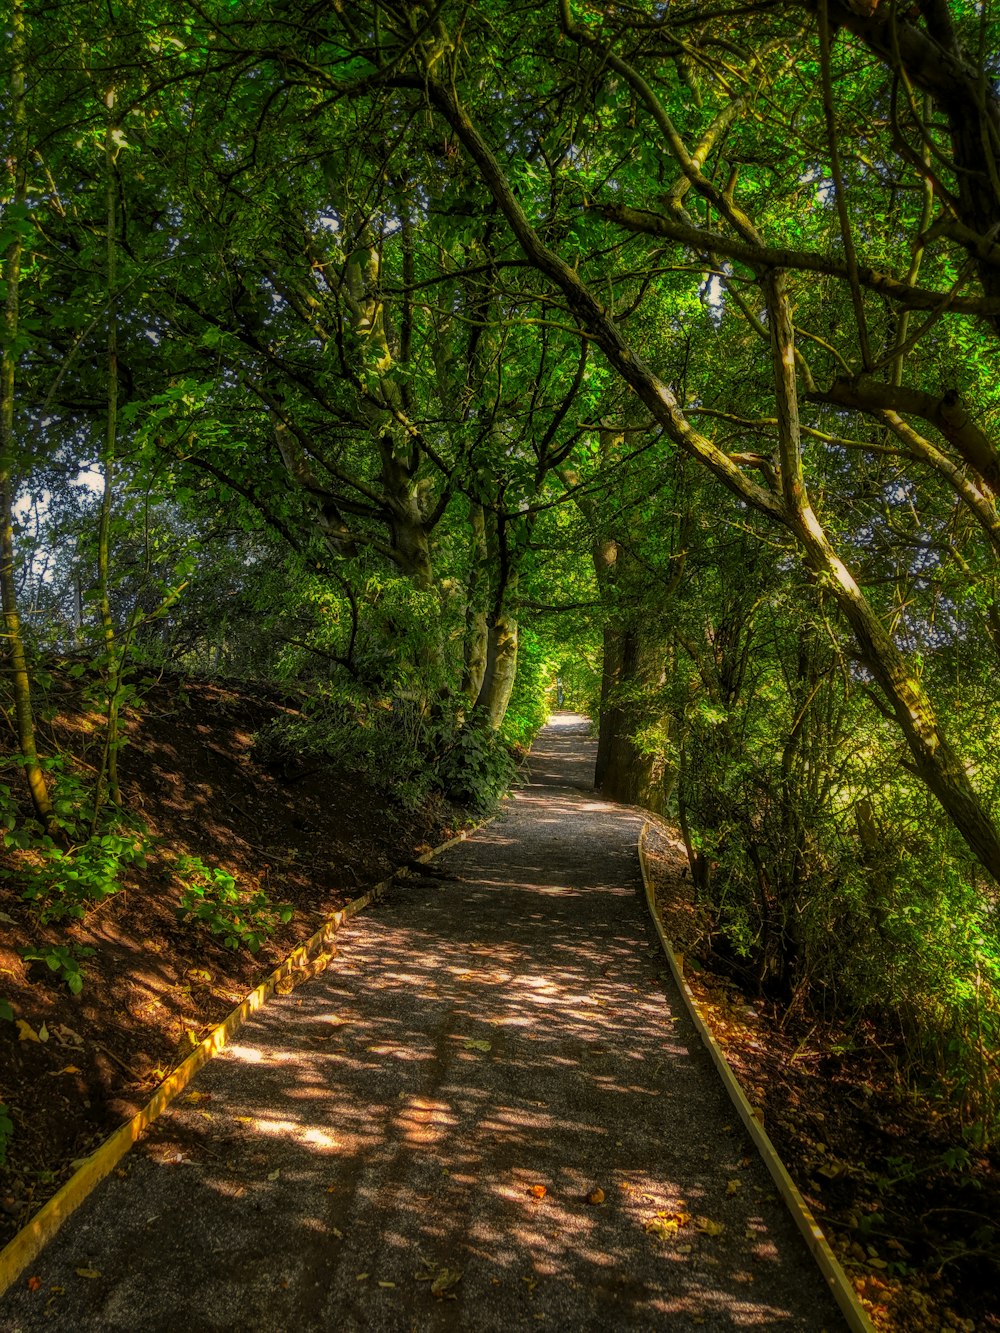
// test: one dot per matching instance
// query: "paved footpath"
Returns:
(409, 1140)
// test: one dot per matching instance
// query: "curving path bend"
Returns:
(409, 1140)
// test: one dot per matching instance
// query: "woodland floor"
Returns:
(869, 1155)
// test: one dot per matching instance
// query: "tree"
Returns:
(18, 226)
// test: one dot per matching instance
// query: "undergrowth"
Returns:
(210, 897)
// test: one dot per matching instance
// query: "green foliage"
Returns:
(63, 959)
(66, 881)
(476, 768)
(385, 742)
(342, 556)
(211, 898)
(6, 1012)
(537, 664)
(404, 751)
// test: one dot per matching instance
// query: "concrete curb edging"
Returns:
(837, 1280)
(36, 1234)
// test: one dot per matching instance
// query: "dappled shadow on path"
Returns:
(482, 1055)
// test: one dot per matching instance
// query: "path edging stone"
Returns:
(302, 963)
(837, 1280)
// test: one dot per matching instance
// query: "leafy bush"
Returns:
(209, 895)
(476, 769)
(67, 881)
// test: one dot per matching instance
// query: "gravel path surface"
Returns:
(409, 1141)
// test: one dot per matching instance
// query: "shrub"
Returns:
(209, 896)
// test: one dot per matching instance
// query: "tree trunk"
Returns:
(16, 656)
(632, 667)
(501, 670)
(623, 772)
(107, 777)
(476, 644)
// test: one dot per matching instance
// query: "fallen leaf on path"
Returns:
(362, 1277)
(387, 1284)
(531, 1282)
(596, 1197)
(445, 1280)
(66, 1035)
(274, 1174)
(26, 1032)
(68, 1069)
(709, 1228)
(34, 1283)
(539, 1191)
(475, 1044)
(193, 1098)
(87, 1272)
(666, 1225)
(43, 1033)
(336, 1231)
(733, 1187)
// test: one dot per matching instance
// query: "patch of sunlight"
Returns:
(251, 1055)
(307, 1134)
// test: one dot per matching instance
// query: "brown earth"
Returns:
(154, 985)
(919, 1237)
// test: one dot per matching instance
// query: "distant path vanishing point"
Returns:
(409, 1140)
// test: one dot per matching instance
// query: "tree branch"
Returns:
(760, 258)
(946, 414)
